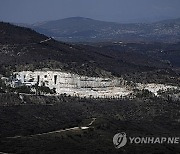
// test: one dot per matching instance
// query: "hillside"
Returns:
(22, 47)
(61, 123)
(25, 49)
(21, 123)
(79, 29)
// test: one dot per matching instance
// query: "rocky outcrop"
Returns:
(75, 85)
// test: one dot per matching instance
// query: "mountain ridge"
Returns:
(25, 49)
(80, 29)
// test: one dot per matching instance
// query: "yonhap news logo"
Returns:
(121, 139)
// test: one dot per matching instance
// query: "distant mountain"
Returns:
(24, 49)
(79, 29)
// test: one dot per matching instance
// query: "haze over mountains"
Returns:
(79, 29)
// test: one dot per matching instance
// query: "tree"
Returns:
(23, 89)
(144, 93)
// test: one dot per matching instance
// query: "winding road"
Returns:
(59, 131)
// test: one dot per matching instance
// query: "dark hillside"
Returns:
(22, 48)
(41, 114)
(10, 34)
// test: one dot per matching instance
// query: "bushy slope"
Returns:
(22, 48)
(155, 117)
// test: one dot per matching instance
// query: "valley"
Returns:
(51, 92)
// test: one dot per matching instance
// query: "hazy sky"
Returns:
(31, 11)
